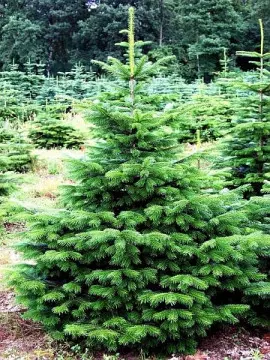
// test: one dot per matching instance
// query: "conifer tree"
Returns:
(15, 151)
(247, 152)
(6, 182)
(207, 111)
(140, 257)
(18, 93)
(247, 149)
(49, 130)
(78, 80)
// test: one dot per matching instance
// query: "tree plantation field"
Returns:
(135, 208)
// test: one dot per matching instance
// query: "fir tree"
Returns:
(49, 130)
(18, 93)
(77, 82)
(247, 149)
(15, 151)
(142, 258)
(247, 152)
(207, 111)
(6, 181)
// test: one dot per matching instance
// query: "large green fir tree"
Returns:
(141, 258)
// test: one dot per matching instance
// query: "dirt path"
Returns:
(19, 339)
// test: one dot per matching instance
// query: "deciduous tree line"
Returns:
(60, 33)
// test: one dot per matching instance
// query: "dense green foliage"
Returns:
(15, 152)
(62, 33)
(247, 148)
(142, 257)
(24, 93)
(6, 184)
(210, 113)
(15, 156)
(48, 132)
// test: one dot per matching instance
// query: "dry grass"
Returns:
(41, 188)
(52, 162)
(78, 122)
(44, 187)
(5, 257)
(2, 275)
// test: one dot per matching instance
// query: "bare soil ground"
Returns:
(21, 339)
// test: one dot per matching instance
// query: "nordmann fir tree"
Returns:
(6, 186)
(48, 131)
(141, 259)
(6, 181)
(208, 112)
(247, 153)
(15, 151)
(247, 149)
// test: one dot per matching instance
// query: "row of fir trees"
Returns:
(145, 253)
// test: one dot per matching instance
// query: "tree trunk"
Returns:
(161, 12)
(48, 67)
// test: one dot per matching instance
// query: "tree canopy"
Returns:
(61, 33)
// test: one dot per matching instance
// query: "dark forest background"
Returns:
(61, 33)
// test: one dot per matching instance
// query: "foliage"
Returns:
(62, 33)
(247, 149)
(6, 185)
(15, 152)
(15, 156)
(18, 90)
(208, 32)
(209, 112)
(141, 257)
(49, 132)
(258, 211)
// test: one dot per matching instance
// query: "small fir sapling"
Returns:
(49, 130)
(15, 151)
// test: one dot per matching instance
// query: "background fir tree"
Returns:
(247, 149)
(6, 181)
(142, 258)
(50, 130)
(15, 151)
(246, 152)
(19, 90)
(207, 111)
(7, 185)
